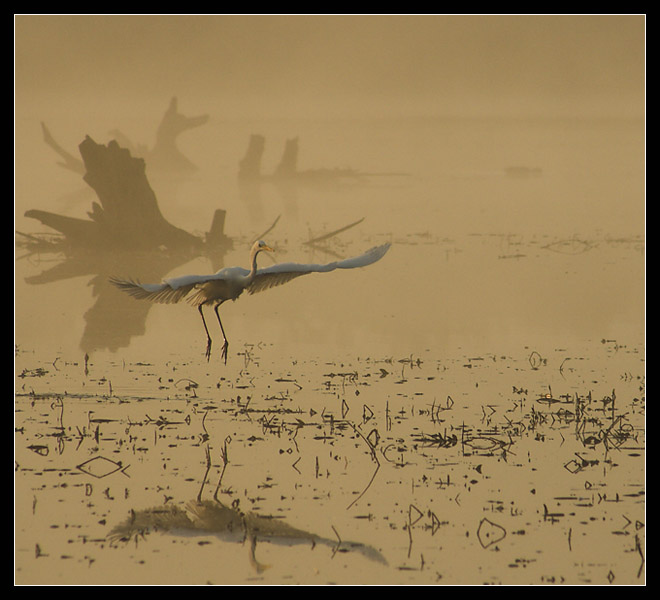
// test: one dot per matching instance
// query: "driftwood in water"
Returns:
(288, 166)
(287, 170)
(326, 236)
(127, 215)
(165, 154)
(249, 168)
(68, 160)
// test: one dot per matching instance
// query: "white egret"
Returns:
(230, 282)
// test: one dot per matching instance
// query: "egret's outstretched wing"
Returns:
(174, 289)
(155, 292)
(284, 272)
(167, 292)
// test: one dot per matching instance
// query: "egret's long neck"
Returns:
(253, 263)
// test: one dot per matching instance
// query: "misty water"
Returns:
(470, 409)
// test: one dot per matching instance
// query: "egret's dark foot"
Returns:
(225, 347)
(208, 350)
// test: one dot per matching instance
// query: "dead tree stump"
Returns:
(126, 216)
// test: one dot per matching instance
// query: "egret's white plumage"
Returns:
(230, 282)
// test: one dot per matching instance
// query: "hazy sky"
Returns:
(510, 65)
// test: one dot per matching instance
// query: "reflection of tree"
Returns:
(114, 318)
(113, 321)
(126, 233)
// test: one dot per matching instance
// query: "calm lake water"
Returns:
(468, 410)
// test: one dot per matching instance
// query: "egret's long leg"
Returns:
(208, 337)
(225, 347)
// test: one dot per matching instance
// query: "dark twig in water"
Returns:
(336, 548)
(437, 439)
(206, 473)
(206, 433)
(410, 524)
(372, 449)
(638, 547)
(263, 235)
(190, 385)
(332, 233)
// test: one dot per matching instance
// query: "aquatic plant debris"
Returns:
(469, 464)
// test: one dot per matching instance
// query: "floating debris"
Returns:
(100, 467)
(571, 246)
(490, 533)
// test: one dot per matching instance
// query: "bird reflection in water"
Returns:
(228, 523)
